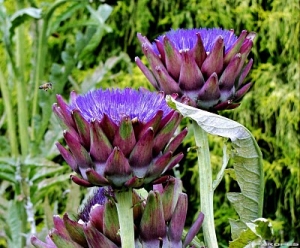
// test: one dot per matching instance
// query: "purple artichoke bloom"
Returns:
(118, 137)
(204, 68)
(159, 221)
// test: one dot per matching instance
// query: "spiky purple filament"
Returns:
(185, 39)
(116, 103)
(99, 197)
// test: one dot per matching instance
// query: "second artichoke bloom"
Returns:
(122, 138)
(159, 221)
(204, 67)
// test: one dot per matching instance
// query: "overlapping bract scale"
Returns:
(122, 138)
(158, 220)
(207, 67)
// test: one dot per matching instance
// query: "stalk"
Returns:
(11, 121)
(22, 113)
(125, 215)
(205, 185)
(21, 86)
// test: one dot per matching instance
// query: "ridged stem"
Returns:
(206, 189)
(21, 86)
(125, 215)
(22, 113)
(10, 117)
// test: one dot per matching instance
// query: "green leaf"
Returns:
(64, 16)
(32, 12)
(48, 213)
(5, 148)
(50, 182)
(22, 15)
(93, 42)
(90, 81)
(104, 11)
(3, 209)
(8, 177)
(39, 162)
(231, 173)
(52, 135)
(247, 162)
(256, 233)
(15, 213)
(262, 227)
(8, 169)
(45, 172)
(73, 200)
(8, 160)
(101, 14)
(97, 29)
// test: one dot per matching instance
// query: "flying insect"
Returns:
(46, 86)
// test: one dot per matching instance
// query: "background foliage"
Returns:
(90, 45)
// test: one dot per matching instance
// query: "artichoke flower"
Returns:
(121, 138)
(159, 221)
(204, 68)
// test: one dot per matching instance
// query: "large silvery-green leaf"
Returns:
(247, 162)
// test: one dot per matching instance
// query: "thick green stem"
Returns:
(125, 215)
(10, 117)
(206, 189)
(21, 86)
(22, 113)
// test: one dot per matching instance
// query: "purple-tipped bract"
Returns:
(205, 68)
(118, 137)
(158, 221)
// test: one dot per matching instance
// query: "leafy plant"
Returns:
(30, 174)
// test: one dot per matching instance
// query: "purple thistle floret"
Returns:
(204, 68)
(120, 138)
(159, 221)
(99, 197)
(186, 39)
(116, 103)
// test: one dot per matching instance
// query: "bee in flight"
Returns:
(46, 86)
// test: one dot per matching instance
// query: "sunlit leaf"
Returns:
(101, 14)
(247, 162)
(256, 234)
(20, 16)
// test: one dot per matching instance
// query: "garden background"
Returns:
(83, 45)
